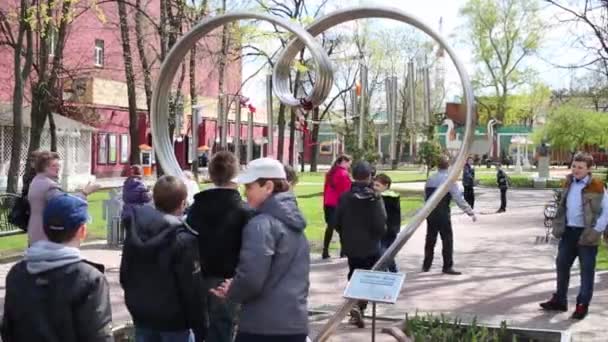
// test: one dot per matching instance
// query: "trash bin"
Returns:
(112, 210)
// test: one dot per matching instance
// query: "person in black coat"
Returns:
(160, 270)
(361, 223)
(54, 295)
(392, 205)
(219, 216)
(502, 180)
(468, 182)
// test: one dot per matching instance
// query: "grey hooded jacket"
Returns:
(272, 277)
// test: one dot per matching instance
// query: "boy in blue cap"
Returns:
(54, 294)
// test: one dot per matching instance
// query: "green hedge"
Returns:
(441, 328)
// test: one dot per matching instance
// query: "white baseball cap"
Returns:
(261, 168)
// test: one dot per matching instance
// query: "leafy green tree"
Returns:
(502, 33)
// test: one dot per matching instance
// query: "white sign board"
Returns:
(375, 286)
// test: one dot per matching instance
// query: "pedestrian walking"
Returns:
(337, 182)
(135, 193)
(503, 184)
(439, 222)
(468, 182)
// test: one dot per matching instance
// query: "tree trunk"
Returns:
(315, 137)
(20, 76)
(145, 65)
(281, 133)
(292, 136)
(53, 132)
(130, 78)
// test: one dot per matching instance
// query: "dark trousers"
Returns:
(245, 337)
(221, 313)
(365, 263)
(391, 266)
(503, 199)
(568, 250)
(443, 228)
(469, 195)
(330, 219)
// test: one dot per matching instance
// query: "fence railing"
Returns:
(7, 201)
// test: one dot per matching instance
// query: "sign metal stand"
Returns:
(375, 287)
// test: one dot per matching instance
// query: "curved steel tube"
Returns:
(348, 14)
(161, 140)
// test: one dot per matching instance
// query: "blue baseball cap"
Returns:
(65, 212)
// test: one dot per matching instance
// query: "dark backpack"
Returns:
(20, 213)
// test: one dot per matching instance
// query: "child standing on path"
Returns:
(272, 276)
(219, 216)
(160, 271)
(392, 205)
(361, 223)
(503, 184)
(54, 294)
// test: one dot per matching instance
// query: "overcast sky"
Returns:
(557, 47)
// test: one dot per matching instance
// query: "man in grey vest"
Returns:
(439, 222)
(582, 216)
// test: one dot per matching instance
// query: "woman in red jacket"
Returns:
(337, 181)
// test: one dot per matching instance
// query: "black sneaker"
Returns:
(325, 256)
(581, 311)
(451, 271)
(426, 268)
(553, 305)
(356, 318)
(501, 211)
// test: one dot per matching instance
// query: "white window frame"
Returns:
(124, 148)
(102, 148)
(99, 53)
(112, 146)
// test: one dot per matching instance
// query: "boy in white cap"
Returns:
(272, 276)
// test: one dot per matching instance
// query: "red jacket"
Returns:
(335, 186)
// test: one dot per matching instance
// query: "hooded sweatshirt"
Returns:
(134, 194)
(53, 278)
(44, 255)
(219, 216)
(272, 277)
(160, 274)
(361, 221)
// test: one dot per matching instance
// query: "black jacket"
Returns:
(66, 304)
(219, 216)
(160, 274)
(468, 176)
(361, 221)
(392, 205)
(502, 179)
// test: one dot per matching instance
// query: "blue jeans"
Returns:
(568, 251)
(391, 266)
(221, 313)
(148, 335)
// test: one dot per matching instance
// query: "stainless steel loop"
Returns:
(159, 110)
(341, 16)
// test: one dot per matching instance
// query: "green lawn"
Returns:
(310, 200)
(396, 176)
(602, 257)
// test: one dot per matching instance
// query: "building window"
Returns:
(99, 49)
(124, 148)
(326, 148)
(102, 149)
(112, 149)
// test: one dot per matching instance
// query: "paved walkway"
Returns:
(505, 274)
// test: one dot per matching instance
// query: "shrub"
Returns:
(433, 328)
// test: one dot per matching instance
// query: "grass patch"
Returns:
(310, 200)
(602, 258)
